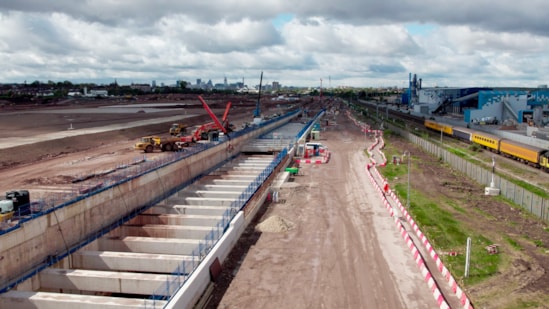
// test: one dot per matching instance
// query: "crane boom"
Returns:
(257, 111)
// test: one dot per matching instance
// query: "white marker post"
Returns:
(492, 190)
(467, 257)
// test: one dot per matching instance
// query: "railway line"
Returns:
(525, 162)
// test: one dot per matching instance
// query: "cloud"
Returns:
(356, 43)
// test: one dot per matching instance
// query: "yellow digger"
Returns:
(177, 129)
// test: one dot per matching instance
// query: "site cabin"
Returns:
(314, 149)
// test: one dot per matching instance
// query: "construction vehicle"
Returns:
(209, 129)
(152, 143)
(16, 202)
(177, 129)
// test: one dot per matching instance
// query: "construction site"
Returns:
(262, 204)
(197, 190)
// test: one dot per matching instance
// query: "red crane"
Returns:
(202, 131)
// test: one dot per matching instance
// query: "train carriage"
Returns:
(523, 152)
(433, 125)
(486, 140)
(532, 155)
(463, 133)
(544, 161)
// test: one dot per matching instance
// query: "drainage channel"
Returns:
(144, 262)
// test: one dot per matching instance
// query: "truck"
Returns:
(16, 202)
(177, 129)
(152, 143)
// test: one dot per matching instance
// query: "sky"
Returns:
(304, 43)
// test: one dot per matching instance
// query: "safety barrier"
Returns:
(419, 259)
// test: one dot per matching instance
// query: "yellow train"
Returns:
(535, 156)
(439, 127)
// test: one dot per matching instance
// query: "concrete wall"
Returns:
(193, 288)
(53, 234)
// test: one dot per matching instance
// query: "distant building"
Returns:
(276, 86)
(142, 87)
(95, 93)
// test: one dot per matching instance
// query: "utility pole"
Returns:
(409, 159)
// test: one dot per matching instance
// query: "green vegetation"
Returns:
(458, 152)
(445, 233)
(442, 220)
(512, 242)
(455, 206)
(524, 304)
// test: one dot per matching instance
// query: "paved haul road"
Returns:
(343, 250)
(9, 142)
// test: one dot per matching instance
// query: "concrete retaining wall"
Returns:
(53, 234)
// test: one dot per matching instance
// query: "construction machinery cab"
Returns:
(177, 129)
(6, 206)
(19, 198)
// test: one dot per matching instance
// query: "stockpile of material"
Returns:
(275, 224)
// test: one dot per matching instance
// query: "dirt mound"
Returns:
(275, 224)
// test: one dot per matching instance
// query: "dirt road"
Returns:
(330, 243)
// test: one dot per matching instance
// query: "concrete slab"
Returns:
(166, 231)
(198, 201)
(249, 164)
(103, 281)
(169, 219)
(182, 209)
(231, 182)
(211, 193)
(44, 300)
(211, 187)
(234, 171)
(129, 261)
(241, 169)
(150, 245)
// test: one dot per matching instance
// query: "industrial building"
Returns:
(481, 105)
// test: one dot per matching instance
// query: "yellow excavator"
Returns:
(177, 129)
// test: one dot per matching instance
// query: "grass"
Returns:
(447, 234)
(525, 304)
(455, 206)
(444, 231)
(512, 242)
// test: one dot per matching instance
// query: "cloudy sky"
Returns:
(357, 43)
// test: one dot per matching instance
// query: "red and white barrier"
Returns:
(370, 169)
